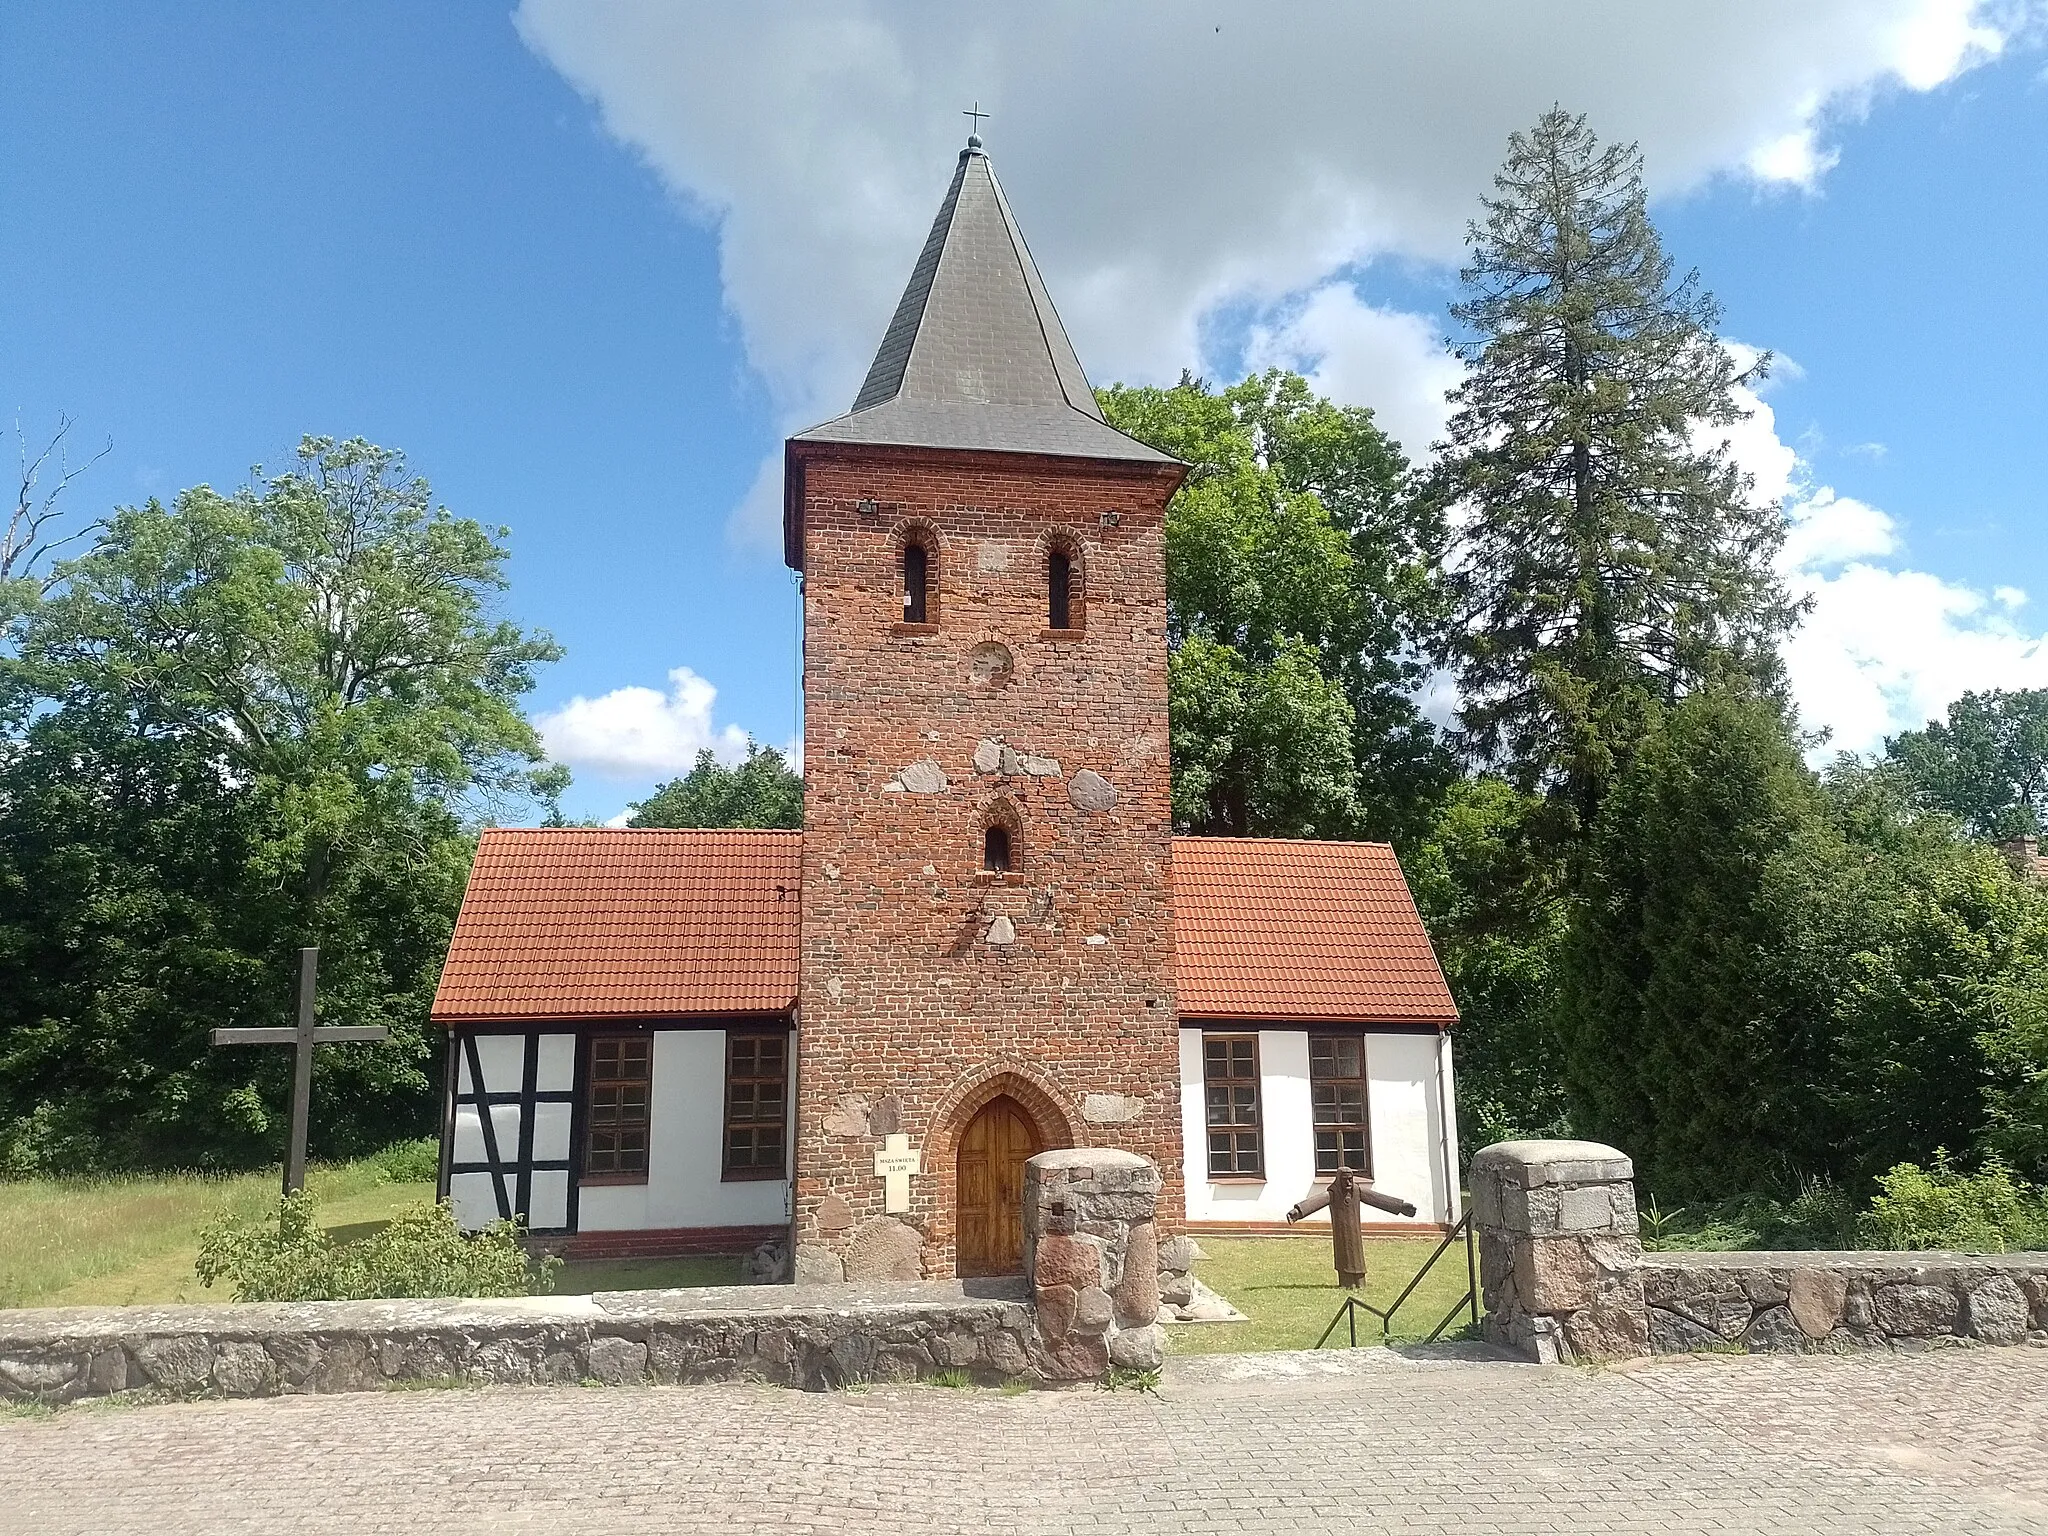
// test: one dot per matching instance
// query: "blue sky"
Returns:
(586, 266)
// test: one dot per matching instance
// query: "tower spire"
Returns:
(976, 356)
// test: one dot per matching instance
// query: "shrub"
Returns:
(410, 1162)
(1942, 1207)
(419, 1252)
(288, 1260)
(1819, 1216)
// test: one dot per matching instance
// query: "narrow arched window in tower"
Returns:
(1059, 590)
(995, 850)
(916, 574)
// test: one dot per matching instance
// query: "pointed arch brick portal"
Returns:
(983, 1135)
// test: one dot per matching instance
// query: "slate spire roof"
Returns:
(976, 357)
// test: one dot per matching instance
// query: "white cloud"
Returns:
(1831, 530)
(1796, 157)
(1388, 359)
(1773, 464)
(1174, 158)
(1930, 43)
(639, 733)
(1171, 156)
(1886, 650)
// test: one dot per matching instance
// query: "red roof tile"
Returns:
(1275, 928)
(567, 923)
(575, 923)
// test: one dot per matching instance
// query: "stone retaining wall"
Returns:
(817, 1338)
(1091, 1300)
(1796, 1301)
(1565, 1277)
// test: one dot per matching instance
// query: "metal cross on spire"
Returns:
(975, 112)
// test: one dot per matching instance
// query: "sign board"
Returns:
(895, 1163)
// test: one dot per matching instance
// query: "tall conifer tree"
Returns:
(1611, 555)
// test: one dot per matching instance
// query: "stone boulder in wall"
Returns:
(885, 1249)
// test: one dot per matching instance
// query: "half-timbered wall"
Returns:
(513, 1130)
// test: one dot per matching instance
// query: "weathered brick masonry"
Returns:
(911, 1019)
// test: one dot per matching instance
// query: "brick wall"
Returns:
(911, 1018)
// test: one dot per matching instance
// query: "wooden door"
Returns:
(991, 1188)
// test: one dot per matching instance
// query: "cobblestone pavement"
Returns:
(1952, 1441)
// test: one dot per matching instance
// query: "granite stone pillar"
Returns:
(1560, 1255)
(1091, 1254)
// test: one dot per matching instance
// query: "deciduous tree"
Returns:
(266, 720)
(1986, 764)
(760, 791)
(1301, 587)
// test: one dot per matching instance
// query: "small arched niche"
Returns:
(1000, 844)
(1065, 591)
(917, 575)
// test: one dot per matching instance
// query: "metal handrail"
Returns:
(1353, 1306)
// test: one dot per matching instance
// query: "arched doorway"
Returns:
(990, 1186)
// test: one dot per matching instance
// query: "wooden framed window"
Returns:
(1059, 590)
(756, 1100)
(917, 563)
(1230, 1083)
(615, 1143)
(1336, 1081)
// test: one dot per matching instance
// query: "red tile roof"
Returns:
(570, 923)
(574, 923)
(1276, 928)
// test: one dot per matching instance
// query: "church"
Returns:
(987, 941)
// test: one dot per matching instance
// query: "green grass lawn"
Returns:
(131, 1241)
(126, 1241)
(1287, 1288)
(120, 1241)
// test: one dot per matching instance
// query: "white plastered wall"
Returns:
(686, 1126)
(1410, 1099)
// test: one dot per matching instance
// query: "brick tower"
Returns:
(988, 963)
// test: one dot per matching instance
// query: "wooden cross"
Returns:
(977, 114)
(303, 1036)
(896, 1162)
